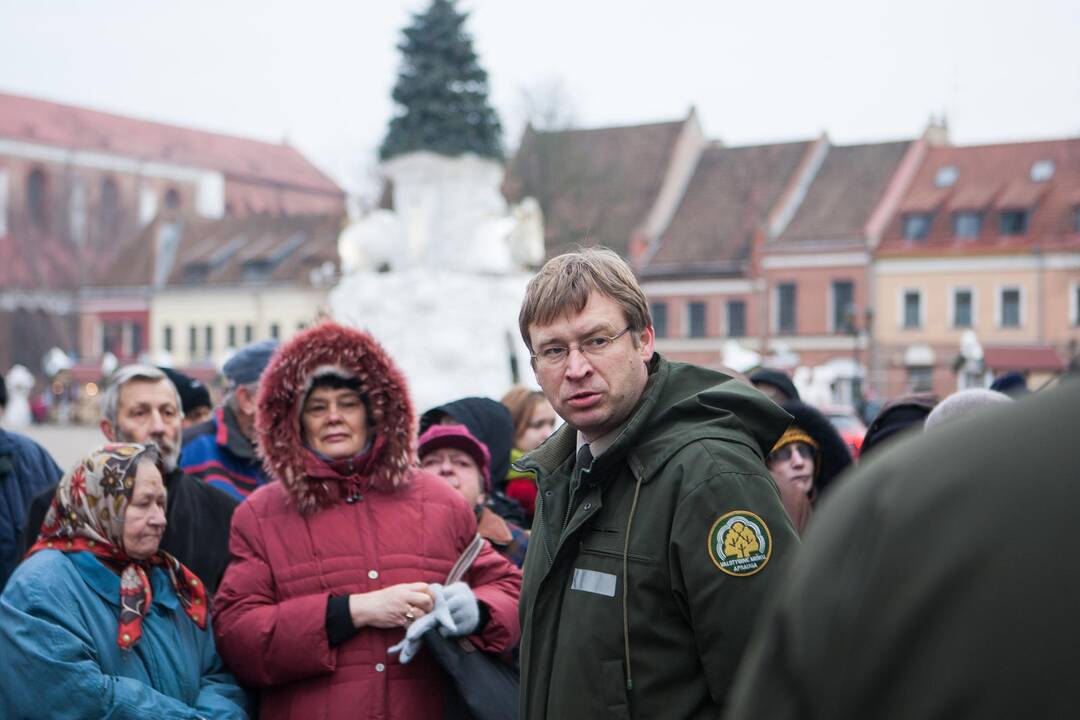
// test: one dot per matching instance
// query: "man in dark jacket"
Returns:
(221, 451)
(937, 581)
(142, 405)
(26, 469)
(658, 532)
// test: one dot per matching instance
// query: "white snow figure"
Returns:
(20, 383)
(453, 334)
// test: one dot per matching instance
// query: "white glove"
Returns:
(439, 615)
(464, 610)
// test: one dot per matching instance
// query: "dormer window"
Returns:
(1042, 170)
(946, 176)
(917, 225)
(1013, 222)
(967, 224)
(36, 188)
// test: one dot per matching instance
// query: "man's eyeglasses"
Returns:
(554, 356)
(784, 453)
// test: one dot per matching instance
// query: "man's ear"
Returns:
(107, 430)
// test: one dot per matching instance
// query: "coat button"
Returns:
(588, 506)
(547, 494)
(379, 667)
(373, 574)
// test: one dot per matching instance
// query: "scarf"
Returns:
(87, 515)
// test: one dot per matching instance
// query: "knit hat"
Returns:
(776, 378)
(247, 365)
(193, 393)
(796, 434)
(963, 402)
(831, 454)
(437, 437)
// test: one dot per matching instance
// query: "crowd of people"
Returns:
(639, 538)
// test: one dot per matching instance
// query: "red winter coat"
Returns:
(296, 542)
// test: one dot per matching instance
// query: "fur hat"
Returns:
(287, 380)
(832, 456)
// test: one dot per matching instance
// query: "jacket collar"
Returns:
(229, 435)
(106, 583)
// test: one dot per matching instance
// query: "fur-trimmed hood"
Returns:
(282, 389)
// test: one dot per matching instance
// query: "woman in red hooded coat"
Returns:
(333, 561)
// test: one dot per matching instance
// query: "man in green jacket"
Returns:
(939, 581)
(658, 530)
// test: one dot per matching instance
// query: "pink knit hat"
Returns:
(437, 437)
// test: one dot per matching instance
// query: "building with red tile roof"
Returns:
(987, 240)
(78, 185)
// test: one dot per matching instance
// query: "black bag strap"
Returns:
(468, 556)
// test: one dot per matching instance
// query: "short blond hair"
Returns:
(565, 282)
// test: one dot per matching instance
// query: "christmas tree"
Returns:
(442, 91)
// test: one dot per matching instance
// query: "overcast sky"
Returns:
(319, 72)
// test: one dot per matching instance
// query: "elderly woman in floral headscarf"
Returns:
(97, 621)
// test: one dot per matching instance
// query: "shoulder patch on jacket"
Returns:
(740, 543)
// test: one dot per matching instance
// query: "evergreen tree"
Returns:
(442, 91)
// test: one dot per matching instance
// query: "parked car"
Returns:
(847, 423)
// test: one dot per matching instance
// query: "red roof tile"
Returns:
(844, 192)
(729, 196)
(78, 128)
(1004, 173)
(594, 186)
(1040, 358)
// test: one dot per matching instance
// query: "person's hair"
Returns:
(521, 402)
(110, 401)
(564, 284)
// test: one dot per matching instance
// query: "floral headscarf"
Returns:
(87, 515)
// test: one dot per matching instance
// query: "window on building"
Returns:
(166, 338)
(249, 333)
(231, 333)
(136, 339)
(967, 224)
(108, 209)
(917, 225)
(77, 211)
(736, 318)
(658, 310)
(193, 340)
(1076, 219)
(1076, 306)
(785, 308)
(301, 326)
(172, 199)
(962, 309)
(5, 183)
(1014, 222)
(112, 338)
(920, 379)
(695, 314)
(843, 306)
(208, 333)
(912, 309)
(275, 331)
(1010, 308)
(36, 197)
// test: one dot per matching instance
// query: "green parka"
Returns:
(644, 575)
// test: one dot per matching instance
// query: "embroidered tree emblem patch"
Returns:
(740, 543)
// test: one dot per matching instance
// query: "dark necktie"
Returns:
(584, 460)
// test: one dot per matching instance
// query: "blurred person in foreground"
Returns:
(937, 582)
(534, 421)
(452, 453)
(221, 451)
(805, 460)
(141, 405)
(99, 621)
(350, 545)
(26, 469)
(659, 533)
